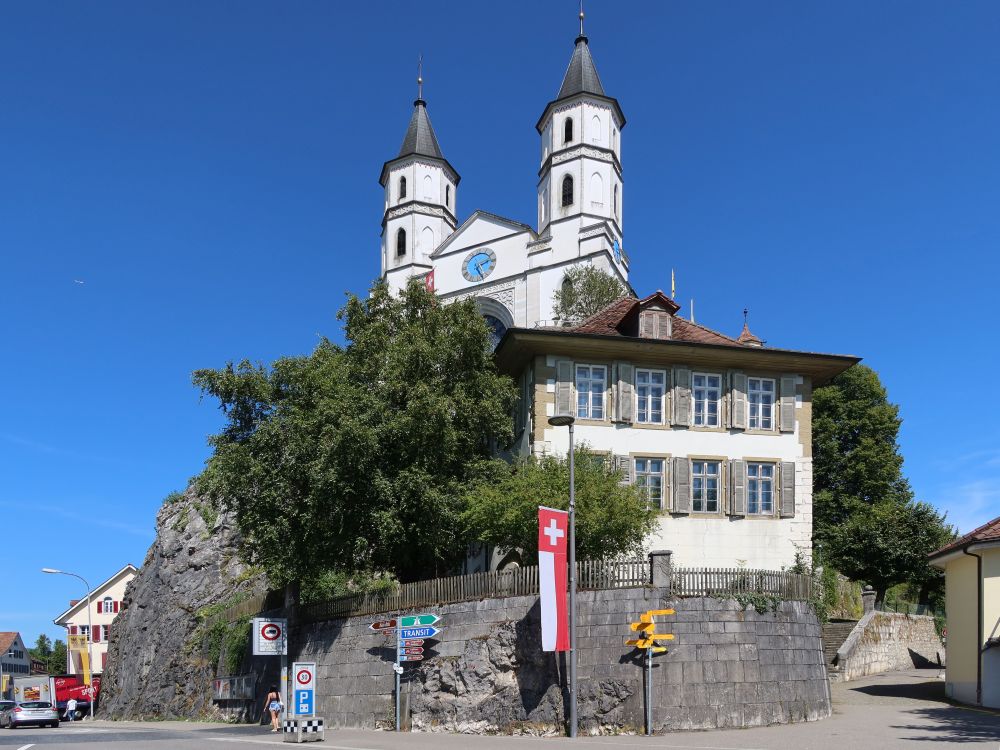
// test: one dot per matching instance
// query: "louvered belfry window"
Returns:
(567, 191)
(401, 242)
(568, 130)
(402, 188)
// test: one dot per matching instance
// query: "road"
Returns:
(888, 712)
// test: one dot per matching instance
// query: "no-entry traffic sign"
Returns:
(269, 636)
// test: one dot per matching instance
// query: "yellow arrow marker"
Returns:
(659, 649)
(660, 636)
(646, 617)
(661, 612)
(642, 626)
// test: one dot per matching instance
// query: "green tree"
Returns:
(611, 519)
(585, 290)
(357, 458)
(56, 662)
(864, 514)
(42, 648)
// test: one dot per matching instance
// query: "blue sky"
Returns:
(209, 172)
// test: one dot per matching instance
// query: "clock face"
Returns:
(618, 250)
(479, 264)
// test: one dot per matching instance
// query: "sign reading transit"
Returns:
(269, 636)
(406, 633)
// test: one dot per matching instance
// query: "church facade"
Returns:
(511, 268)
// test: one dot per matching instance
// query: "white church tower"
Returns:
(420, 193)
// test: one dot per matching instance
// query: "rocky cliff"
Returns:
(158, 664)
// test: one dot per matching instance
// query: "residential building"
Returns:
(105, 604)
(15, 661)
(971, 567)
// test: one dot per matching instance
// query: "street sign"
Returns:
(410, 621)
(648, 640)
(405, 633)
(413, 642)
(304, 688)
(411, 657)
(269, 636)
(378, 625)
(412, 650)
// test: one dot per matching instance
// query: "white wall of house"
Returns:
(102, 617)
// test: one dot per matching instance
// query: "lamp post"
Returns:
(567, 420)
(3, 688)
(90, 633)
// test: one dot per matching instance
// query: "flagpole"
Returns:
(572, 589)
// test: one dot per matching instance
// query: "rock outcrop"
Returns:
(157, 666)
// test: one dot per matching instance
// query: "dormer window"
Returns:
(567, 191)
(400, 243)
(568, 130)
(655, 323)
(402, 188)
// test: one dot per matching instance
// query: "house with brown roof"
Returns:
(971, 567)
(15, 661)
(715, 430)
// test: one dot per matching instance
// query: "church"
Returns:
(715, 431)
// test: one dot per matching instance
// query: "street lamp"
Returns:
(3, 690)
(90, 634)
(567, 420)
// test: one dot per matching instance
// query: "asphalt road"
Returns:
(898, 710)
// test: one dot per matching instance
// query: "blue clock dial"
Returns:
(617, 250)
(479, 264)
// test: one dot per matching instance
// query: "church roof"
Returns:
(581, 75)
(420, 138)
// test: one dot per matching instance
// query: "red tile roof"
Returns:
(988, 532)
(610, 322)
(6, 641)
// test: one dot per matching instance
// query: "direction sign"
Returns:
(411, 657)
(413, 642)
(413, 650)
(410, 621)
(405, 633)
(383, 625)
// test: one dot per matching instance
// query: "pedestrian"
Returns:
(71, 709)
(273, 701)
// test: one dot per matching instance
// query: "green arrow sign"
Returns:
(413, 621)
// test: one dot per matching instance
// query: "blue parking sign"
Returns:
(303, 702)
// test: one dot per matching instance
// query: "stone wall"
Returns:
(728, 667)
(884, 641)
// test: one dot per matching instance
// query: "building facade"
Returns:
(15, 661)
(105, 604)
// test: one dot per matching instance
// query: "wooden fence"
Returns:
(591, 575)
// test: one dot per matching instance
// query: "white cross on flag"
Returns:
(552, 533)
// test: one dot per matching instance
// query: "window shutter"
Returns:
(647, 324)
(72, 630)
(117, 603)
(664, 326)
(624, 465)
(107, 632)
(681, 485)
(787, 403)
(97, 633)
(99, 606)
(682, 396)
(626, 399)
(738, 400)
(787, 489)
(738, 487)
(564, 387)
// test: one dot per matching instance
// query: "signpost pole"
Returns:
(285, 703)
(649, 691)
(398, 666)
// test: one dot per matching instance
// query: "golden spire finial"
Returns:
(420, 77)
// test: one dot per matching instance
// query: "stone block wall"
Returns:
(728, 667)
(884, 641)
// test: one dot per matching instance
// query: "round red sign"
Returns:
(270, 632)
(303, 677)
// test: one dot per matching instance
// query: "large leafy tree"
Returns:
(865, 517)
(357, 457)
(611, 519)
(585, 290)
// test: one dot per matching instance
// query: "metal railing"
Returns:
(734, 581)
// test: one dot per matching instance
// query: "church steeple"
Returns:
(420, 195)
(581, 75)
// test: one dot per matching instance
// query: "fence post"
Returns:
(868, 599)
(659, 568)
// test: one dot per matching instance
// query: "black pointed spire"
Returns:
(581, 75)
(420, 138)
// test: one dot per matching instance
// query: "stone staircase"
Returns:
(835, 633)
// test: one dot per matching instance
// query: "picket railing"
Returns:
(591, 575)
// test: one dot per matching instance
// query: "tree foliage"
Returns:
(52, 655)
(585, 290)
(865, 517)
(611, 519)
(357, 457)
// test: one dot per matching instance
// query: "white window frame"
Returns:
(593, 395)
(755, 497)
(641, 476)
(705, 476)
(107, 605)
(648, 400)
(702, 412)
(755, 411)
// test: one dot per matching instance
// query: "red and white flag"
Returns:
(429, 281)
(553, 526)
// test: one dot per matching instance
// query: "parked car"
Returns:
(4, 705)
(39, 713)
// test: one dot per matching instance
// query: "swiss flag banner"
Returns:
(553, 526)
(429, 281)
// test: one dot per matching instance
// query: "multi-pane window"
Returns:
(650, 385)
(760, 392)
(707, 390)
(591, 382)
(760, 488)
(705, 486)
(649, 479)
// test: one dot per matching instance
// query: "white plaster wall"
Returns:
(117, 592)
(511, 253)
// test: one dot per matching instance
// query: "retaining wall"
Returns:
(884, 641)
(728, 667)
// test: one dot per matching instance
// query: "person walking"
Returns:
(71, 709)
(273, 702)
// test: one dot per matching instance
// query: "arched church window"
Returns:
(447, 195)
(402, 188)
(497, 330)
(567, 191)
(596, 191)
(567, 289)
(568, 130)
(616, 200)
(400, 242)
(428, 188)
(595, 125)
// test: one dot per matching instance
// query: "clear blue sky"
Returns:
(209, 171)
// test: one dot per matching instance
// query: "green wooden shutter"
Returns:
(738, 487)
(625, 393)
(623, 464)
(564, 388)
(681, 485)
(682, 396)
(738, 400)
(787, 403)
(787, 489)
